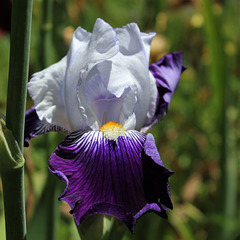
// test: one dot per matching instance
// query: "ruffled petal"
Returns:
(46, 90)
(119, 59)
(167, 72)
(104, 105)
(35, 127)
(119, 83)
(132, 41)
(101, 45)
(125, 179)
(155, 175)
(147, 40)
(79, 41)
(130, 69)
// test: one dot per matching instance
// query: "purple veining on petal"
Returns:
(167, 72)
(35, 127)
(123, 179)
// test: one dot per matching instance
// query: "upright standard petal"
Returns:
(122, 68)
(124, 178)
(134, 57)
(167, 72)
(101, 45)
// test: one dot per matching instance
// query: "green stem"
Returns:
(13, 180)
(222, 92)
(217, 61)
(51, 195)
(14, 204)
(46, 60)
(52, 207)
(46, 33)
(18, 69)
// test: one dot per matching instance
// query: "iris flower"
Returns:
(104, 95)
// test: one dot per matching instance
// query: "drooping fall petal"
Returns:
(124, 178)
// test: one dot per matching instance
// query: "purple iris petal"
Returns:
(124, 178)
(167, 72)
(35, 127)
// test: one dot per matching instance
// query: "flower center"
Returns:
(112, 130)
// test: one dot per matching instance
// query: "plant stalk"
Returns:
(46, 60)
(52, 215)
(46, 33)
(221, 100)
(13, 180)
(18, 69)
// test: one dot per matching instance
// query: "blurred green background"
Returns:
(200, 136)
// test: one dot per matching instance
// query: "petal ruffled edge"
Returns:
(152, 166)
(81, 162)
(46, 90)
(102, 44)
(154, 175)
(35, 127)
(167, 72)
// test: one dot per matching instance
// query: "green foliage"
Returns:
(10, 154)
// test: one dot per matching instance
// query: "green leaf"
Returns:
(10, 154)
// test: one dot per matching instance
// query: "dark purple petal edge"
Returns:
(35, 127)
(155, 181)
(167, 72)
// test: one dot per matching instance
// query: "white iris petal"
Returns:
(153, 102)
(46, 90)
(103, 35)
(104, 77)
